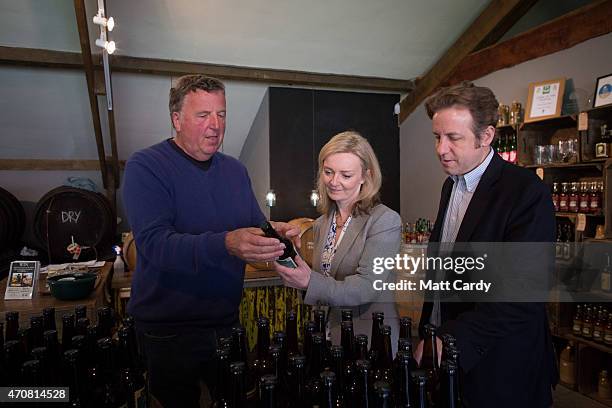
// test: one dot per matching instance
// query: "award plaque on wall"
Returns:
(603, 91)
(545, 100)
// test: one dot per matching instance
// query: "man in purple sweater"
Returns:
(193, 213)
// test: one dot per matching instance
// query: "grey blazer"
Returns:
(350, 284)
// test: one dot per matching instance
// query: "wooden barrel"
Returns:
(67, 215)
(12, 220)
(129, 251)
(306, 238)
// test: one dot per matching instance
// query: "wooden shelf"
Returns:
(562, 121)
(598, 346)
(563, 165)
(574, 215)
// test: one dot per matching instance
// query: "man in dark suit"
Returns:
(506, 354)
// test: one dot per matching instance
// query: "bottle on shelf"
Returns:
(587, 324)
(512, 156)
(584, 198)
(564, 197)
(573, 198)
(599, 326)
(567, 369)
(555, 196)
(504, 148)
(604, 390)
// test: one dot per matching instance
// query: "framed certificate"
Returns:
(545, 100)
(603, 91)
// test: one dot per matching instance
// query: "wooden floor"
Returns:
(566, 398)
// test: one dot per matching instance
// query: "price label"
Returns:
(583, 121)
(581, 222)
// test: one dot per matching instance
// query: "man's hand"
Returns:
(418, 352)
(298, 278)
(288, 231)
(249, 244)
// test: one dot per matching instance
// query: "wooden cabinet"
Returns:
(584, 133)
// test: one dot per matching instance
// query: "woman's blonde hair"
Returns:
(352, 142)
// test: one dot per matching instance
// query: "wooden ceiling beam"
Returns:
(489, 21)
(122, 63)
(590, 21)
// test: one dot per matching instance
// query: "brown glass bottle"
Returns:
(587, 325)
(555, 196)
(564, 198)
(314, 362)
(363, 368)
(573, 198)
(67, 331)
(310, 327)
(12, 326)
(296, 378)
(361, 346)
(36, 332)
(238, 391)
(382, 395)
(567, 367)
(49, 319)
(331, 396)
(261, 364)
(405, 328)
(267, 392)
(420, 386)
(291, 327)
(239, 346)
(599, 327)
(221, 392)
(347, 339)
(403, 371)
(608, 331)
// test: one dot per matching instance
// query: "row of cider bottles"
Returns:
(417, 232)
(593, 322)
(100, 368)
(283, 373)
(578, 197)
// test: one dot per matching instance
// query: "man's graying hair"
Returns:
(191, 83)
(479, 100)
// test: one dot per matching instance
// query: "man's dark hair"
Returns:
(479, 100)
(191, 83)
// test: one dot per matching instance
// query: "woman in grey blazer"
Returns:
(353, 230)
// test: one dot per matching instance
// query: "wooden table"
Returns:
(35, 306)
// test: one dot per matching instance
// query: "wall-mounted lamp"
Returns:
(314, 198)
(271, 198)
(109, 23)
(108, 47)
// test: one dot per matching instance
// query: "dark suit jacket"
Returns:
(506, 352)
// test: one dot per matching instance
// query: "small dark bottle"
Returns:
(49, 319)
(237, 382)
(30, 374)
(36, 332)
(319, 319)
(279, 338)
(12, 326)
(347, 339)
(80, 311)
(429, 362)
(376, 336)
(361, 341)
(382, 393)
(128, 362)
(363, 368)
(40, 354)
(331, 396)
(314, 363)
(386, 356)
(405, 328)
(337, 364)
(53, 355)
(74, 378)
(82, 325)
(221, 392)
(261, 365)
(296, 379)
(310, 327)
(105, 322)
(267, 392)
(239, 346)
(347, 315)
(289, 254)
(449, 395)
(403, 387)
(291, 328)
(67, 331)
(420, 382)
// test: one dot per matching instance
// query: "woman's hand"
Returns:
(288, 231)
(298, 278)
